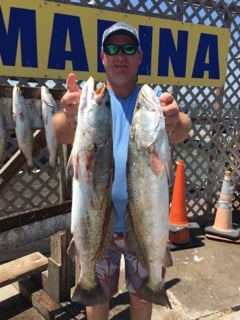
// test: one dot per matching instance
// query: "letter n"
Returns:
(168, 51)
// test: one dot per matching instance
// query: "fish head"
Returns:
(16, 89)
(16, 92)
(94, 114)
(148, 118)
(98, 112)
(47, 98)
(17, 100)
(86, 96)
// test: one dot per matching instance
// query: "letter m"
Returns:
(22, 23)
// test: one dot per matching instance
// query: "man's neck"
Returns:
(122, 91)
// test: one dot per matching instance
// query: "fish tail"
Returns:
(158, 297)
(89, 297)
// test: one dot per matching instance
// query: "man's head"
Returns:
(121, 28)
(121, 56)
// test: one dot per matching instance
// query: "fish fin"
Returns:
(89, 297)
(72, 168)
(158, 297)
(69, 167)
(71, 250)
(169, 168)
(168, 262)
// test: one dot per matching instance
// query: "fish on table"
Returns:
(148, 172)
(22, 126)
(49, 108)
(91, 163)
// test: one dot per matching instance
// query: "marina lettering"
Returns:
(207, 50)
(22, 23)
(21, 35)
(168, 52)
(63, 26)
(208, 46)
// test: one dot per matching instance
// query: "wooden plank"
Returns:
(37, 230)
(51, 310)
(57, 282)
(52, 280)
(19, 219)
(47, 307)
(22, 267)
(26, 287)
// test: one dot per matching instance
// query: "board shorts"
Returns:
(108, 270)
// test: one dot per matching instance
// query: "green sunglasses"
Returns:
(113, 49)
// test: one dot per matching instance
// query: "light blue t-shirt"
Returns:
(122, 114)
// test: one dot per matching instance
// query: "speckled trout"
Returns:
(91, 160)
(148, 173)
(23, 126)
(49, 107)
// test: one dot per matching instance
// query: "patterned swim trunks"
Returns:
(108, 270)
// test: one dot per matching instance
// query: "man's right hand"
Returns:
(65, 122)
(70, 100)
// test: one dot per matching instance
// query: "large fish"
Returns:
(2, 137)
(49, 107)
(92, 162)
(148, 171)
(22, 126)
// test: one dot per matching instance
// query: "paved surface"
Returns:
(203, 284)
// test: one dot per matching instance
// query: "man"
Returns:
(121, 56)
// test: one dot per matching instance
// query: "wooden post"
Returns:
(59, 278)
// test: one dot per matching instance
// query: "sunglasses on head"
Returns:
(113, 49)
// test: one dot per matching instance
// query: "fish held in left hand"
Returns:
(91, 162)
(148, 173)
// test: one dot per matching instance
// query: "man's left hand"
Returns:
(170, 110)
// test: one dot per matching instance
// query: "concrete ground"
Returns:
(203, 284)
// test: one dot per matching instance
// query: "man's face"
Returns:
(121, 68)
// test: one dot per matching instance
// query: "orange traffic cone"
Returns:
(223, 228)
(179, 234)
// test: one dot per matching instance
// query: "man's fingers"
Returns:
(71, 83)
(166, 98)
(72, 96)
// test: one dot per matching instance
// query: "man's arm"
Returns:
(63, 129)
(181, 130)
